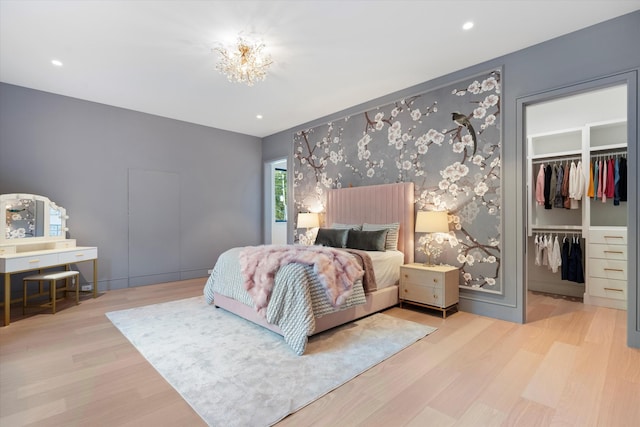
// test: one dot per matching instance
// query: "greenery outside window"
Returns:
(280, 186)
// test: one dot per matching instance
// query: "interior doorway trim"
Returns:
(630, 78)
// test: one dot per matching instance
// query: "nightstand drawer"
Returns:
(423, 294)
(423, 277)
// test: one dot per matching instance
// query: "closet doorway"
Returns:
(576, 233)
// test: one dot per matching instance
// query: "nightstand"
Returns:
(434, 287)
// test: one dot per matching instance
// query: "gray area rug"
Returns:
(235, 373)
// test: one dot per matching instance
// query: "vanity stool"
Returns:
(53, 278)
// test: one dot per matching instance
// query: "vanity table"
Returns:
(34, 239)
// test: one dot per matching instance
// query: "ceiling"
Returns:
(156, 56)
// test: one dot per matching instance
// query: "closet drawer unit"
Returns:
(606, 288)
(607, 269)
(422, 294)
(598, 250)
(608, 236)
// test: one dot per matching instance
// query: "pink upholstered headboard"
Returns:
(376, 204)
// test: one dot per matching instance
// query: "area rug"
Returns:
(235, 373)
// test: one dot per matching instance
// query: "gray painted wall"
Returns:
(89, 158)
(599, 51)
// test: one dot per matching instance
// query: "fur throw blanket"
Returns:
(336, 270)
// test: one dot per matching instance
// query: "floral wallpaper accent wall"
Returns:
(447, 141)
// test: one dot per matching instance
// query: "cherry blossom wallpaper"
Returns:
(447, 141)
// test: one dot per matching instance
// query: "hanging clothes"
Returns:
(552, 185)
(545, 250)
(540, 186)
(596, 182)
(576, 185)
(557, 202)
(610, 178)
(616, 179)
(565, 187)
(536, 250)
(555, 260)
(565, 253)
(604, 181)
(547, 187)
(576, 274)
(599, 194)
(623, 179)
(590, 191)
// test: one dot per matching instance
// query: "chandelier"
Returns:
(245, 62)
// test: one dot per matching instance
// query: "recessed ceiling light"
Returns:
(467, 25)
(56, 62)
(258, 116)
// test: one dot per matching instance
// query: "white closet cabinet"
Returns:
(606, 252)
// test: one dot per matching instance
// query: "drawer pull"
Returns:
(613, 289)
(79, 255)
(613, 237)
(406, 276)
(613, 252)
(405, 291)
(613, 269)
(33, 261)
(435, 280)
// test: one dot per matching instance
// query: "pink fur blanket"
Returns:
(336, 270)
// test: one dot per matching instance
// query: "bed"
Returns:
(379, 204)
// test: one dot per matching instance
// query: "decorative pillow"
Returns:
(367, 240)
(392, 236)
(332, 237)
(346, 226)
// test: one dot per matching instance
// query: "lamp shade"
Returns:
(432, 222)
(308, 220)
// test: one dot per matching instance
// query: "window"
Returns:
(280, 189)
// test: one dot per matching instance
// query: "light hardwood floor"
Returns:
(568, 366)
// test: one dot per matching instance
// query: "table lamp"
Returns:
(431, 222)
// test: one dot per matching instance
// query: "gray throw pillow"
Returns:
(335, 238)
(367, 240)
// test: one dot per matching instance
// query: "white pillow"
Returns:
(347, 226)
(392, 235)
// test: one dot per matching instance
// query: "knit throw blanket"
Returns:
(336, 270)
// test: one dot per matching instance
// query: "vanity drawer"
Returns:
(78, 255)
(606, 288)
(31, 262)
(423, 294)
(607, 269)
(5, 250)
(609, 236)
(598, 250)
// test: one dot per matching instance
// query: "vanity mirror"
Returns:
(32, 222)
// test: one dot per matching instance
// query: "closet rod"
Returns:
(609, 154)
(555, 160)
(555, 230)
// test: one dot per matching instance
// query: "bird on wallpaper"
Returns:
(462, 120)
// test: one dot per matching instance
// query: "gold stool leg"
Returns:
(77, 284)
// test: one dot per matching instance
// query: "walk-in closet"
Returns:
(577, 197)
